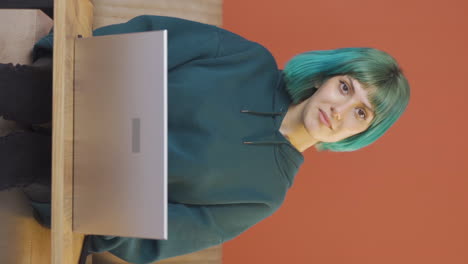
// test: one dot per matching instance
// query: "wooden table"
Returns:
(71, 18)
(77, 17)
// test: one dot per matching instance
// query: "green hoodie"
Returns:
(229, 167)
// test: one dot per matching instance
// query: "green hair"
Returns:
(371, 67)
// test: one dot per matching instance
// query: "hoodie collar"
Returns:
(281, 102)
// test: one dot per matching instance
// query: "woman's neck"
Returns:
(292, 128)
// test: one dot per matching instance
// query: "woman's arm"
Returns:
(190, 228)
(187, 40)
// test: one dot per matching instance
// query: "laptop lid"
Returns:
(120, 135)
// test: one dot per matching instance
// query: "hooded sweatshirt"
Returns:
(229, 167)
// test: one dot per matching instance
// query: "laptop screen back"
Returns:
(120, 135)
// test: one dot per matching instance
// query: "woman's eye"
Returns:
(362, 113)
(344, 87)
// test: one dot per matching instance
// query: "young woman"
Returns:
(237, 127)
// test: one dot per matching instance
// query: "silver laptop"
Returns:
(120, 135)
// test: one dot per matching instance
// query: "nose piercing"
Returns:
(338, 116)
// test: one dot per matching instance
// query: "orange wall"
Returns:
(402, 200)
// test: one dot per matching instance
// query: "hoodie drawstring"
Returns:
(263, 114)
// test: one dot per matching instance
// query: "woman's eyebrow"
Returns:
(366, 103)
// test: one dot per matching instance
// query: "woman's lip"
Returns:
(324, 118)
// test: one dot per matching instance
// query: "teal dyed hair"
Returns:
(371, 67)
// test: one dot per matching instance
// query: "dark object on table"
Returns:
(47, 6)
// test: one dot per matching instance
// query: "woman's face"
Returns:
(341, 100)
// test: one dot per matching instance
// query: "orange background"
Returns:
(403, 199)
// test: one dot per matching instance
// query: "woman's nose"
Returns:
(339, 110)
(335, 114)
